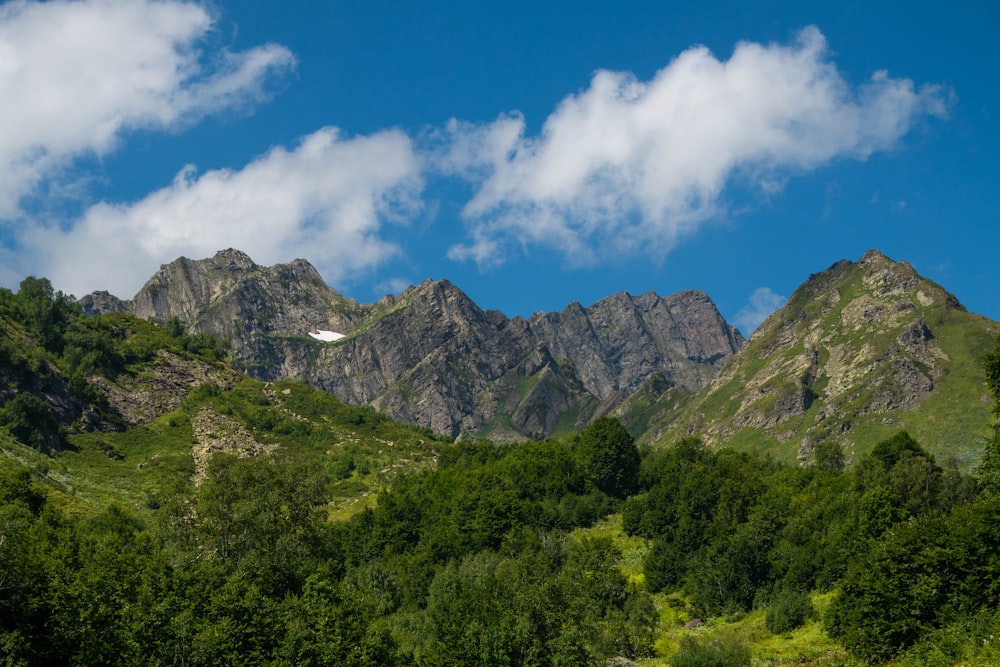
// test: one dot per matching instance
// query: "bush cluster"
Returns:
(787, 611)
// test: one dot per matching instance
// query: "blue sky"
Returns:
(534, 154)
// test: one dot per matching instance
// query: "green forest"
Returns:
(577, 550)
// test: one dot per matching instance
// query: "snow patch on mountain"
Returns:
(326, 336)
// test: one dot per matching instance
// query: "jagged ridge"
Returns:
(432, 356)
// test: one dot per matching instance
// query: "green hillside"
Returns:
(859, 352)
(105, 450)
(156, 507)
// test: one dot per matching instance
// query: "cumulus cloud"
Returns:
(762, 303)
(629, 166)
(623, 167)
(84, 72)
(324, 200)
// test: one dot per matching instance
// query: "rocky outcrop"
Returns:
(432, 356)
(218, 434)
(101, 303)
(437, 359)
(139, 398)
(620, 341)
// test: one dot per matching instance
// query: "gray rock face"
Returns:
(265, 312)
(620, 341)
(432, 356)
(436, 359)
(141, 398)
(101, 303)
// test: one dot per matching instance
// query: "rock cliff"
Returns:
(431, 355)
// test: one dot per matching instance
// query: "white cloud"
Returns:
(623, 167)
(627, 166)
(325, 200)
(85, 72)
(762, 303)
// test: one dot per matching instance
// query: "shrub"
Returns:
(829, 457)
(788, 610)
(726, 651)
(30, 419)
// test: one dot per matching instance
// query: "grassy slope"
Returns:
(952, 421)
(361, 450)
(973, 641)
(807, 645)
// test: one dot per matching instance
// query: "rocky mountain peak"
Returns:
(855, 347)
(298, 269)
(233, 260)
(873, 256)
(683, 332)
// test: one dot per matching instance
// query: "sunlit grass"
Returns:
(807, 645)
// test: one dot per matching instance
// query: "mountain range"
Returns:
(859, 350)
(431, 355)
